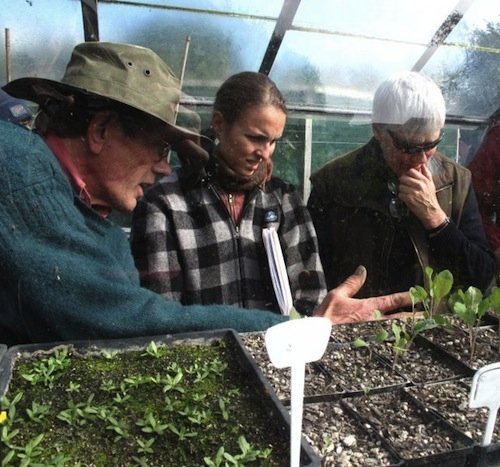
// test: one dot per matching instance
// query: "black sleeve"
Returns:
(319, 217)
(465, 247)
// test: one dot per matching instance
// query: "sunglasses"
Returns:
(412, 149)
(397, 209)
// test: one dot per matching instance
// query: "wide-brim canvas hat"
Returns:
(129, 74)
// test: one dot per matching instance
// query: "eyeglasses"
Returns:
(397, 208)
(164, 150)
(413, 149)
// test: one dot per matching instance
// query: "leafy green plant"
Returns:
(402, 335)
(438, 286)
(153, 350)
(149, 424)
(145, 446)
(38, 411)
(470, 307)
(119, 426)
(46, 371)
(381, 336)
(247, 454)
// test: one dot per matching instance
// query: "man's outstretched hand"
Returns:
(340, 307)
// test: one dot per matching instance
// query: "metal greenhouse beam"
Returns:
(283, 23)
(90, 20)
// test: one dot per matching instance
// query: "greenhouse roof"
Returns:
(326, 56)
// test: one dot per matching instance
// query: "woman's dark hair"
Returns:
(244, 90)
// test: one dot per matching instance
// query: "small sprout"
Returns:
(294, 314)
(223, 408)
(109, 354)
(182, 434)
(377, 314)
(145, 446)
(37, 411)
(152, 350)
(107, 385)
(366, 389)
(358, 343)
(149, 424)
(73, 387)
(118, 426)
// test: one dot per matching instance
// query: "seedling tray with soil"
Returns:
(317, 382)
(340, 439)
(417, 435)
(450, 400)
(359, 370)
(423, 362)
(195, 399)
(456, 341)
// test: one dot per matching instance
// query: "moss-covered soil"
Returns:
(191, 405)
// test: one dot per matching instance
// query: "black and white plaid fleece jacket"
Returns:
(187, 248)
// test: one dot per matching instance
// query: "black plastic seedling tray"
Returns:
(389, 427)
(277, 419)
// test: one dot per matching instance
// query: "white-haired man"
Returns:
(396, 205)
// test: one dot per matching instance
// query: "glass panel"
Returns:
(472, 29)
(468, 79)
(218, 48)
(42, 35)
(406, 21)
(254, 7)
(335, 136)
(315, 68)
(469, 66)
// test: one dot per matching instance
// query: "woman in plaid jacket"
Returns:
(197, 234)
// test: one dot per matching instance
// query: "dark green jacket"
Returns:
(349, 205)
(67, 273)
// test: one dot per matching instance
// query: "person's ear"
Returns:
(377, 131)
(97, 131)
(217, 122)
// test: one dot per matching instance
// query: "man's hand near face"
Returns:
(418, 192)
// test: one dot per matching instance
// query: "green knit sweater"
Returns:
(67, 273)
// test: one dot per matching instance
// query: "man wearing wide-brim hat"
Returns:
(100, 135)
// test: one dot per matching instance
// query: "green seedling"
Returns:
(140, 461)
(172, 382)
(73, 387)
(115, 403)
(47, 370)
(79, 413)
(470, 307)
(381, 336)
(438, 286)
(247, 455)
(405, 334)
(109, 354)
(32, 451)
(119, 426)
(37, 411)
(182, 433)
(223, 404)
(153, 350)
(149, 424)
(107, 385)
